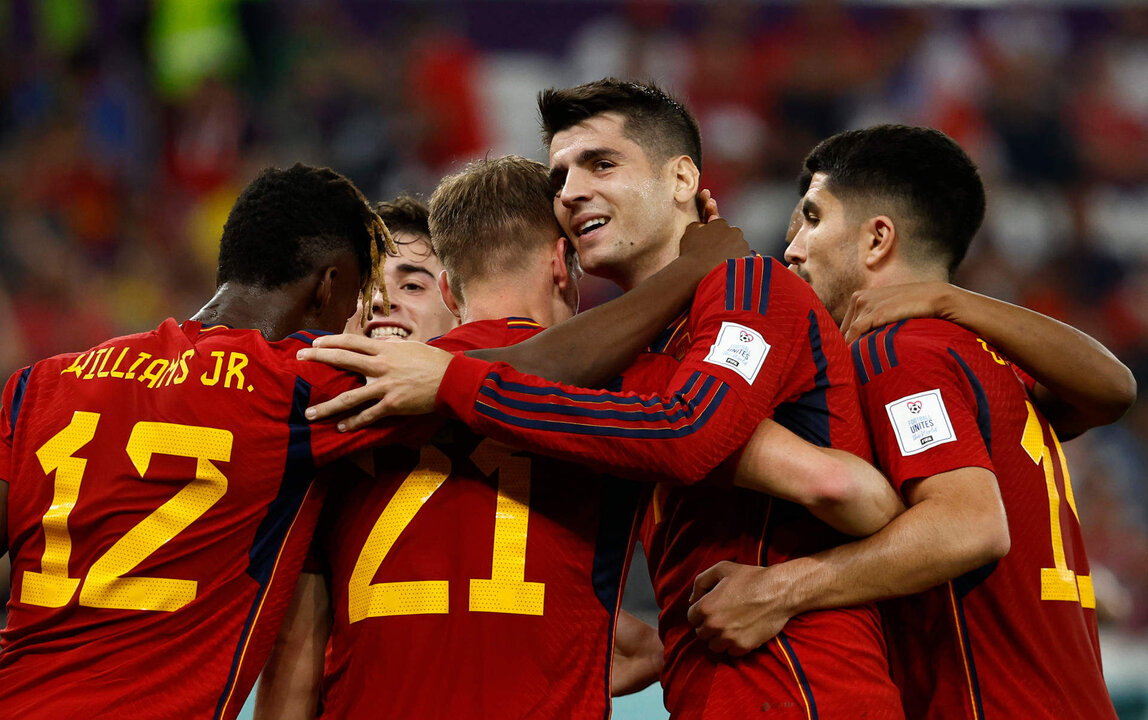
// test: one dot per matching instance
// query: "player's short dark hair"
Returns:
(405, 214)
(485, 218)
(287, 222)
(661, 125)
(922, 171)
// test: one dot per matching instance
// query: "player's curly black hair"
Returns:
(920, 171)
(285, 222)
(653, 118)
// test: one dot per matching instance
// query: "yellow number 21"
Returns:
(1057, 582)
(505, 591)
(105, 585)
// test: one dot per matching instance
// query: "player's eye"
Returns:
(556, 183)
(603, 164)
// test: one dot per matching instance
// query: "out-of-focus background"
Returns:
(127, 128)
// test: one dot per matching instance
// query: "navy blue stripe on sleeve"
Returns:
(874, 358)
(747, 284)
(890, 353)
(730, 282)
(984, 418)
(684, 419)
(858, 361)
(766, 275)
(18, 396)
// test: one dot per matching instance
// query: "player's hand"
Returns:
(880, 306)
(402, 377)
(707, 206)
(712, 243)
(738, 608)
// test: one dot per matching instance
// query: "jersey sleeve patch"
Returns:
(739, 348)
(920, 421)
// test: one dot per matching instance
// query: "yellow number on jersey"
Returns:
(105, 586)
(1057, 582)
(505, 591)
(421, 597)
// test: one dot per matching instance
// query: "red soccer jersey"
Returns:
(756, 343)
(468, 579)
(1016, 638)
(159, 505)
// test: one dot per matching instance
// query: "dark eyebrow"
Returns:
(408, 268)
(598, 153)
(809, 206)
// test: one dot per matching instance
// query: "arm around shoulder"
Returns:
(839, 488)
(1080, 385)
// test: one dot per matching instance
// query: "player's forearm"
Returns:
(637, 656)
(838, 487)
(862, 501)
(1084, 384)
(289, 683)
(595, 346)
(925, 546)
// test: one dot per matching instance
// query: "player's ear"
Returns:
(687, 179)
(559, 268)
(324, 289)
(880, 238)
(447, 295)
(565, 264)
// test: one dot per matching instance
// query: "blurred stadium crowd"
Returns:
(127, 128)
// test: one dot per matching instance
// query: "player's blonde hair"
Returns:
(488, 217)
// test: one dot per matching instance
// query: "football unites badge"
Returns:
(920, 421)
(739, 348)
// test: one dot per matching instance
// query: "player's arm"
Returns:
(955, 524)
(1080, 383)
(289, 685)
(637, 656)
(595, 346)
(678, 431)
(839, 488)
(743, 351)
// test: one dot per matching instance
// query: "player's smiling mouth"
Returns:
(589, 226)
(383, 331)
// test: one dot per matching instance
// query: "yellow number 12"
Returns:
(105, 585)
(1057, 582)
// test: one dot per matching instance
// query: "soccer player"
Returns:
(1004, 624)
(416, 310)
(158, 486)
(497, 573)
(624, 163)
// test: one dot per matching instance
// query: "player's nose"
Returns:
(795, 251)
(576, 188)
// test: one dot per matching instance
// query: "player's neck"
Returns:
(274, 313)
(496, 304)
(902, 273)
